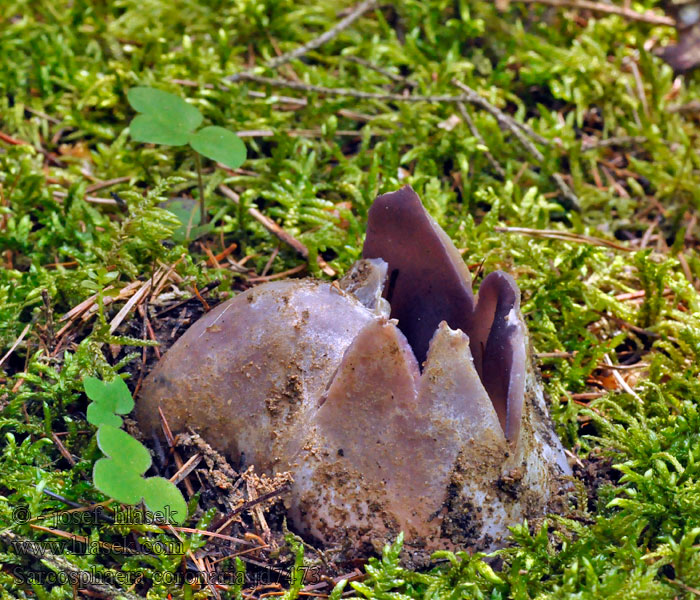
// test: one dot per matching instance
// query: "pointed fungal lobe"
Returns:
(498, 346)
(428, 281)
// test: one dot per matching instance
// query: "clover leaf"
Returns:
(167, 119)
(219, 144)
(123, 449)
(120, 474)
(98, 414)
(162, 496)
(116, 482)
(108, 398)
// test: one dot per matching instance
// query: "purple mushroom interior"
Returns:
(428, 282)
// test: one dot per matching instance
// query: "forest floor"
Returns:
(549, 139)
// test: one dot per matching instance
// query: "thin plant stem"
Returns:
(200, 183)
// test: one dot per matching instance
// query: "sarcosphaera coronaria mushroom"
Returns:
(396, 399)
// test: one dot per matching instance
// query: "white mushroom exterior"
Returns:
(322, 380)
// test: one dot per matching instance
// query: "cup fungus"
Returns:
(397, 401)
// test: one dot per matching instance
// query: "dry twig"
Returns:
(186, 469)
(506, 121)
(277, 231)
(250, 504)
(477, 134)
(326, 36)
(565, 236)
(388, 74)
(621, 380)
(387, 97)
(608, 9)
(18, 341)
(60, 196)
(99, 185)
(520, 131)
(280, 275)
(167, 432)
(590, 144)
(305, 132)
